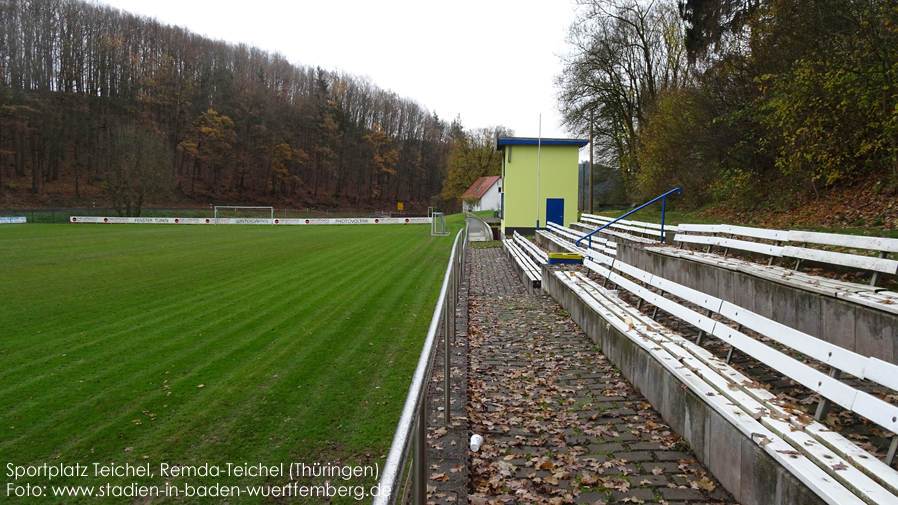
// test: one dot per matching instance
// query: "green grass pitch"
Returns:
(192, 345)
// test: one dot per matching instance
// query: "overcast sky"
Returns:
(492, 61)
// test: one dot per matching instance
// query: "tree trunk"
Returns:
(36, 165)
(20, 153)
(193, 178)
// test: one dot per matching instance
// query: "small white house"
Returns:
(487, 191)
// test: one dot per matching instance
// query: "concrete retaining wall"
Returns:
(742, 467)
(862, 329)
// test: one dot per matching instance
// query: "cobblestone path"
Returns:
(560, 424)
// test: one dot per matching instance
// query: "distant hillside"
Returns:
(101, 106)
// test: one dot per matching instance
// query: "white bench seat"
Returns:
(757, 247)
(882, 300)
(651, 230)
(633, 233)
(889, 245)
(599, 244)
(539, 256)
(864, 404)
(792, 244)
(836, 258)
(565, 242)
(559, 241)
(613, 231)
(807, 449)
(528, 269)
(875, 297)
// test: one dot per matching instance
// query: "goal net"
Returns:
(225, 214)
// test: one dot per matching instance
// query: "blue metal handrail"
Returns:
(663, 199)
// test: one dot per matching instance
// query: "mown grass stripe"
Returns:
(122, 302)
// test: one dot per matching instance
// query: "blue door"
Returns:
(555, 211)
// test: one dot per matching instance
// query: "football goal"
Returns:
(228, 214)
(438, 225)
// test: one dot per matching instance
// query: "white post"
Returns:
(539, 144)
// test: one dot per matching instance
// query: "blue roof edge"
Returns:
(531, 141)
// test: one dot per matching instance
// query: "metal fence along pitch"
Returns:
(410, 440)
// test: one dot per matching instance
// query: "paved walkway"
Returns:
(561, 425)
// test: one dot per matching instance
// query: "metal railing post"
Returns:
(447, 349)
(419, 459)
(663, 205)
(606, 225)
(454, 306)
(454, 300)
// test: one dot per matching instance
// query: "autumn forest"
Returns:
(96, 103)
(757, 103)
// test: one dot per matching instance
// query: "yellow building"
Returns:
(539, 182)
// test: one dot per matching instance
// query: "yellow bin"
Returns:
(556, 258)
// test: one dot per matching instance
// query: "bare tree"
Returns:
(622, 52)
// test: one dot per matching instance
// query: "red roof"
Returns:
(481, 186)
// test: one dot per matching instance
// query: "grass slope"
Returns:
(302, 338)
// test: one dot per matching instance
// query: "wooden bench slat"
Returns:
(763, 233)
(758, 247)
(583, 226)
(622, 227)
(596, 217)
(630, 222)
(651, 226)
(752, 400)
(883, 474)
(703, 300)
(807, 282)
(538, 255)
(851, 477)
(801, 373)
(882, 244)
(820, 350)
(559, 241)
(849, 260)
(882, 372)
(638, 274)
(569, 246)
(526, 264)
(852, 241)
(700, 228)
(634, 229)
(573, 234)
(684, 313)
(598, 243)
(872, 299)
(874, 409)
(611, 312)
(627, 236)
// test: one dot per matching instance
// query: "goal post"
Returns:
(241, 214)
(438, 225)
